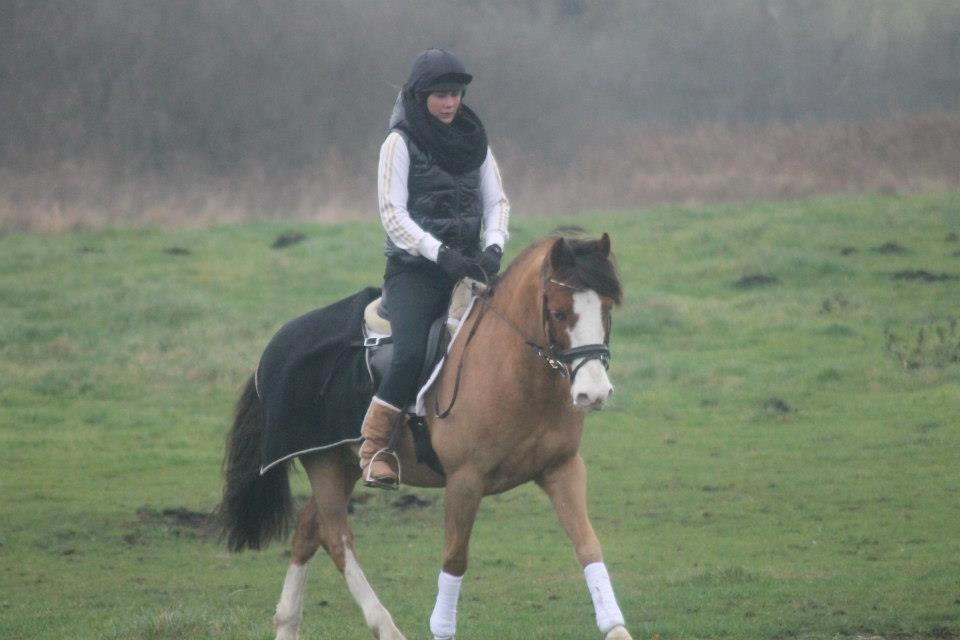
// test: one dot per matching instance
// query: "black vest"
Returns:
(445, 205)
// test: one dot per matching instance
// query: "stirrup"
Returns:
(370, 481)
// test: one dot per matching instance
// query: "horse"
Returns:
(533, 357)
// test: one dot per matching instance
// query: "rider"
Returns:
(441, 200)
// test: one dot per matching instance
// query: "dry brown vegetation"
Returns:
(653, 164)
(207, 110)
(714, 162)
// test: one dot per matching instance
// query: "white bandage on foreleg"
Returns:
(604, 602)
(443, 620)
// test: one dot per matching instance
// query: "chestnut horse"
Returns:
(532, 357)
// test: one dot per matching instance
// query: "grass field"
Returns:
(781, 458)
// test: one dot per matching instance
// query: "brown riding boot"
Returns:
(381, 466)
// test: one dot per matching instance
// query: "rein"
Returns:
(558, 361)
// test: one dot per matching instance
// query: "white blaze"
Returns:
(591, 387)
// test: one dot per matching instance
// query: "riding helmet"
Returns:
(437, 70)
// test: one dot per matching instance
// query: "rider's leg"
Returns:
(415, 296)
(379, 470)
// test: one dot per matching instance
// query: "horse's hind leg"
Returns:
(566, 485)
(333, 475)
(306, 541)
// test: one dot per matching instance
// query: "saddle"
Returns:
(378, 341)
(378, 353)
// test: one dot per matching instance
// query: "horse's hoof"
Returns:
(618, 633)
(287, 632)
(391, 634)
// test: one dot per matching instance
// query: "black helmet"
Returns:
(437, 70)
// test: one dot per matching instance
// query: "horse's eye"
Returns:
(559, 315)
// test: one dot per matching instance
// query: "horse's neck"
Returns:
(519, 298)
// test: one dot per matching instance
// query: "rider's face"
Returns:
(443, 105)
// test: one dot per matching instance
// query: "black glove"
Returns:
(490, 260)
(458, 265)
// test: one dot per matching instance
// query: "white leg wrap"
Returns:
(604, 602)
(443, 621)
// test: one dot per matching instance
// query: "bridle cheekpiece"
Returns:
(561, 360)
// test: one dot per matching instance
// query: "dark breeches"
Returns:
(415, 296)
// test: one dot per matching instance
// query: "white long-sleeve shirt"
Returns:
(392, 177)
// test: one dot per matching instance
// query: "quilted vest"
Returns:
(447, 206)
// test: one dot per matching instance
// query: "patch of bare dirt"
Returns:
(411, 501)
(890, 248)
(751, 280)
(775, 406)
(177, 520)
(922, 275)
(287, 239)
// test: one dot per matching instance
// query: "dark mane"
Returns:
(592, 269)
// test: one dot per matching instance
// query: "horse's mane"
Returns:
(591, 269)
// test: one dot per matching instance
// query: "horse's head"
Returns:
(580, 289)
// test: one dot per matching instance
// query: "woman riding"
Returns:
(445, 214)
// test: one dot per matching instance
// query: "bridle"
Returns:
(588, 352)
(559, 360)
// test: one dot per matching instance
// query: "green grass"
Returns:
(770, 467)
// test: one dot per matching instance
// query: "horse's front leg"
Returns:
(566, 485)
(463, 495)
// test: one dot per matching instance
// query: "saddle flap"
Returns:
(379, 356)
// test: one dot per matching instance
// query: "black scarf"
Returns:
(458, 147)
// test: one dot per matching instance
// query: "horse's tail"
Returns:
(255, 508)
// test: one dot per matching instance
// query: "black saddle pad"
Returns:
(313, 382)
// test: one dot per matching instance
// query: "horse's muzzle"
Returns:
(592, 388)
(584, 402)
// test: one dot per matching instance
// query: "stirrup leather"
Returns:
(370, 481)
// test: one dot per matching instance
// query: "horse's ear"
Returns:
(561, 255)
(603, 245)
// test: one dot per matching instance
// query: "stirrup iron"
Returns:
(370, 481)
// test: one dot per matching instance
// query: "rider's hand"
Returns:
(490, 260)
(458, 265)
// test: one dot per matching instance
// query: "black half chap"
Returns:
(415, 296)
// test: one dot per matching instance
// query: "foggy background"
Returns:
(207, 110)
